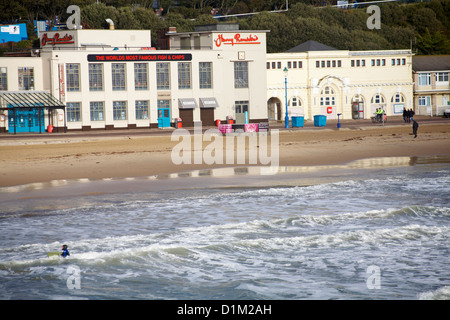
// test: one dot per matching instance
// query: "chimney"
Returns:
(111, 24)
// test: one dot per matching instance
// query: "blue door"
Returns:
(26, 120)
(163, 113)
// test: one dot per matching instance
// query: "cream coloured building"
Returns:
(109, 79)
(321, 80)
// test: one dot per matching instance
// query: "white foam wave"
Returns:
(439, 294)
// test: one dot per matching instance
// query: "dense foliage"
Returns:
(424, 26)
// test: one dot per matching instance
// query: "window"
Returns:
(294, 102)
(118, 76)
(328, 63)
(3, 79)
(363, 63)
(372, 62)
(398, 98)
(97, 111)
(322, 64)
(267, 65)
(378, 98)
(289, 65)
(393, 62)
(241, 106)
(26, 78)
(424, 101)
(205, 75)
(327, 97)
(140, 76)
(333, 64)
(339, 63)
(442, 77)
(141, 110)
(383, 62)
(317, 64)
(403, 61)
(162, 76)
(398, 62)
(73, 76)
(424, 79)
(95, 77)
(184, 75)
(120, 110)
(73, 112)
(273, 65)
(278, 65)
(294, 64)
(241, 74)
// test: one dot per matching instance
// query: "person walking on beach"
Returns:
(411, 114)
(415, 126)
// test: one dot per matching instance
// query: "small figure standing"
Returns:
(415, 127)
(65, 252)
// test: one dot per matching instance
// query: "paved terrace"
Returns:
(308, 125)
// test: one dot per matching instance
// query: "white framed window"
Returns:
(205, 74)
(97, 111)
(73, 111)
(141, 109)
(141, 76)
(118, 73)
(378, 98)
(424, 79)
(398, 98)
(26, 78)
(424, 101)
(3, 79)
(95, 77)
(184, 75)
(119, 110)
(162, 76)
(295, 102)
(442, 78)
(241, 74)
(73, 76)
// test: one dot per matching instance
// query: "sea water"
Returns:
(381, 232)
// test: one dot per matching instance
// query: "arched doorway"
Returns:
(358, 107)
(274, 109)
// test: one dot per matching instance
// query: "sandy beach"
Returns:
(49, 157)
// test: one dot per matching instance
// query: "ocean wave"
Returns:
(439, 294)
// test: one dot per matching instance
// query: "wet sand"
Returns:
(25, 160)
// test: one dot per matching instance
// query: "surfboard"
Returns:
(52, 254)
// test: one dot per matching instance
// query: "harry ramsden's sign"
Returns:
(237, 39)
(138, 57)
(57, 39)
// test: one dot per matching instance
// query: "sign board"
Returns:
(138, 57)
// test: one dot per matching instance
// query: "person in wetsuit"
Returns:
(65, 252)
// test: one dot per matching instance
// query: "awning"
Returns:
(187, 103)
(29, 99)
(208, 103)
(20, 100)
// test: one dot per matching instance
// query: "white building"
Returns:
(431, 84)
(114, 79)
(321, 80)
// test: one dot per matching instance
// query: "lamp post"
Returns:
(286, 118)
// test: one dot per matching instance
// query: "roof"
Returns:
(27, 99)
(431, 63)
(310, 45)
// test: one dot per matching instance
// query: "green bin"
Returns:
(320, 121)
(297, 122)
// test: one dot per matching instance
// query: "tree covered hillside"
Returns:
(424, 26)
